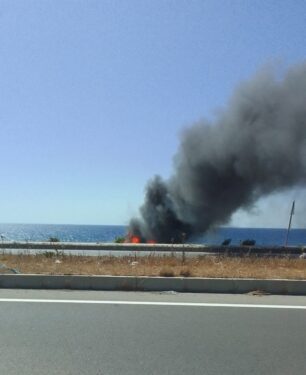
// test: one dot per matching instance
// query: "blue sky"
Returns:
(94, 95)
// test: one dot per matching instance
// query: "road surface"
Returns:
(114, 333)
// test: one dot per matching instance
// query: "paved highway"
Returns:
(65, 332)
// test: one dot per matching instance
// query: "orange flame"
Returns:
(135, 239)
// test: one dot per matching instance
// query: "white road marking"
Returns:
(152, 303)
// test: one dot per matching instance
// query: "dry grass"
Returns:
(154, 265)
(166, 272)
(186, 272)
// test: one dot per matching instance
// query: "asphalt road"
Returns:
(171, 334)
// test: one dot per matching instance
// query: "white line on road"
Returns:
(152, 303)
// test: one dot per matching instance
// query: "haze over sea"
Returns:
(107, 233)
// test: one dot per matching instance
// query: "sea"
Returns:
(108, 233)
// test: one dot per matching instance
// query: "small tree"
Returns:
(119, 239)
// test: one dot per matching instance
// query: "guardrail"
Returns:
(183, 248)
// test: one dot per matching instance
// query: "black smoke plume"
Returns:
(255, 146)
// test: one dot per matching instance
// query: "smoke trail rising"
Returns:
(256, 146)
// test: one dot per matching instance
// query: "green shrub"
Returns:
(119, 239)
(248, 242)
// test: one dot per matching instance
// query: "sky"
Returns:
(95, 94)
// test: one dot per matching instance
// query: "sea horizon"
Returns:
(108, 233)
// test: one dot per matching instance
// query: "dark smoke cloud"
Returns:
(256, 146)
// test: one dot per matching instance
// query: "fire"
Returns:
(135, 239)
(132, 238)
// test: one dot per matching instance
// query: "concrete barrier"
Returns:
(130, 283)
(153, 248)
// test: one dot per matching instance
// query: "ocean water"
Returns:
(107, 233)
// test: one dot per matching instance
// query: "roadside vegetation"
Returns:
(119, 239)
(54, 239)
(157, 265)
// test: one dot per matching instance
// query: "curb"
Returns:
(143, 283)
